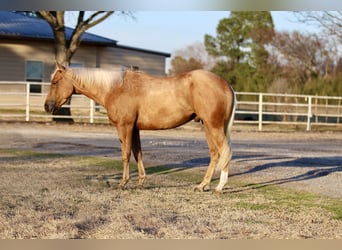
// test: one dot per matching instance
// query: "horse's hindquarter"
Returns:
(212, 96)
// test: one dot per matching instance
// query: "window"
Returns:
(76, 65)
(34, 73)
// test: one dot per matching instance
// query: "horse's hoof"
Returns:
(121, 187)
(201, 188)
(140, 187)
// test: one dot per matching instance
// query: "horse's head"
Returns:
(61, 89)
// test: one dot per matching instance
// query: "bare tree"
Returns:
(309, 55)
(181, 65)
(329, 21)
(198, 52)
(65, 48)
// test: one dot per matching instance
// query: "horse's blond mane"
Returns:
(96, 77)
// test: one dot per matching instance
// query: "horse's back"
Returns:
(161, 102)
(197, 82)
(209, 79)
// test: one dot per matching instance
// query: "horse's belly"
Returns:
(163, 119)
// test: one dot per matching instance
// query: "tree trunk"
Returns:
(62, 58)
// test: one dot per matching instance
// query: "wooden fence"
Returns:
(18, 103)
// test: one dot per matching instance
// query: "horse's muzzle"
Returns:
(50, 106)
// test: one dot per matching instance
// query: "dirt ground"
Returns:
(73, 194)
(310, 161)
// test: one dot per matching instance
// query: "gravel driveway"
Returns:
(306, 161)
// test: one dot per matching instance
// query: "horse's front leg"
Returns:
(125, 135)
(136, 146)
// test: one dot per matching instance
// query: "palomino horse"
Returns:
(136, 101)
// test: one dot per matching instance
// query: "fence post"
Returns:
(260, 111)
(338, 111)
(27, 109)
(308, 123)
(92, 107)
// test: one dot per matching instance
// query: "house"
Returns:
(27, 51)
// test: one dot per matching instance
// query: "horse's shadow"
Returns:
(161, 169)
(317, 167)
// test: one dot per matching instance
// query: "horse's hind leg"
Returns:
(220, 154)
(213, 150)
(136, 147)
(223, 163)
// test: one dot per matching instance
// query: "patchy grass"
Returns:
(60, 196)
(292, 200)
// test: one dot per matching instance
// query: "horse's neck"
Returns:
(96, 83)
(97, 93)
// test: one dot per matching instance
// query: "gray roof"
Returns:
(19, 26)
(16, 25)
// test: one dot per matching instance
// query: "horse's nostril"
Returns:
(46, 107)
(49, 106)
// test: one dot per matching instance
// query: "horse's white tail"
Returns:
(232, 115)
(225, 153)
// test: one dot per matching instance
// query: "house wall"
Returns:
(15, 53)
(110, 57)
(13, 57)
(86, 56)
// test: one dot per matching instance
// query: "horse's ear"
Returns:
(59, 66)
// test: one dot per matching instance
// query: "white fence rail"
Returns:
(286, 109)
(18, 103)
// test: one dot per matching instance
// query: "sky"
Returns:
(168, 31)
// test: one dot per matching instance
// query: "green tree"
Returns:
(240, 43)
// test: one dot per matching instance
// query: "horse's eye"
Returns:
(54, 80)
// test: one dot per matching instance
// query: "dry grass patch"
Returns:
(59, 196)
